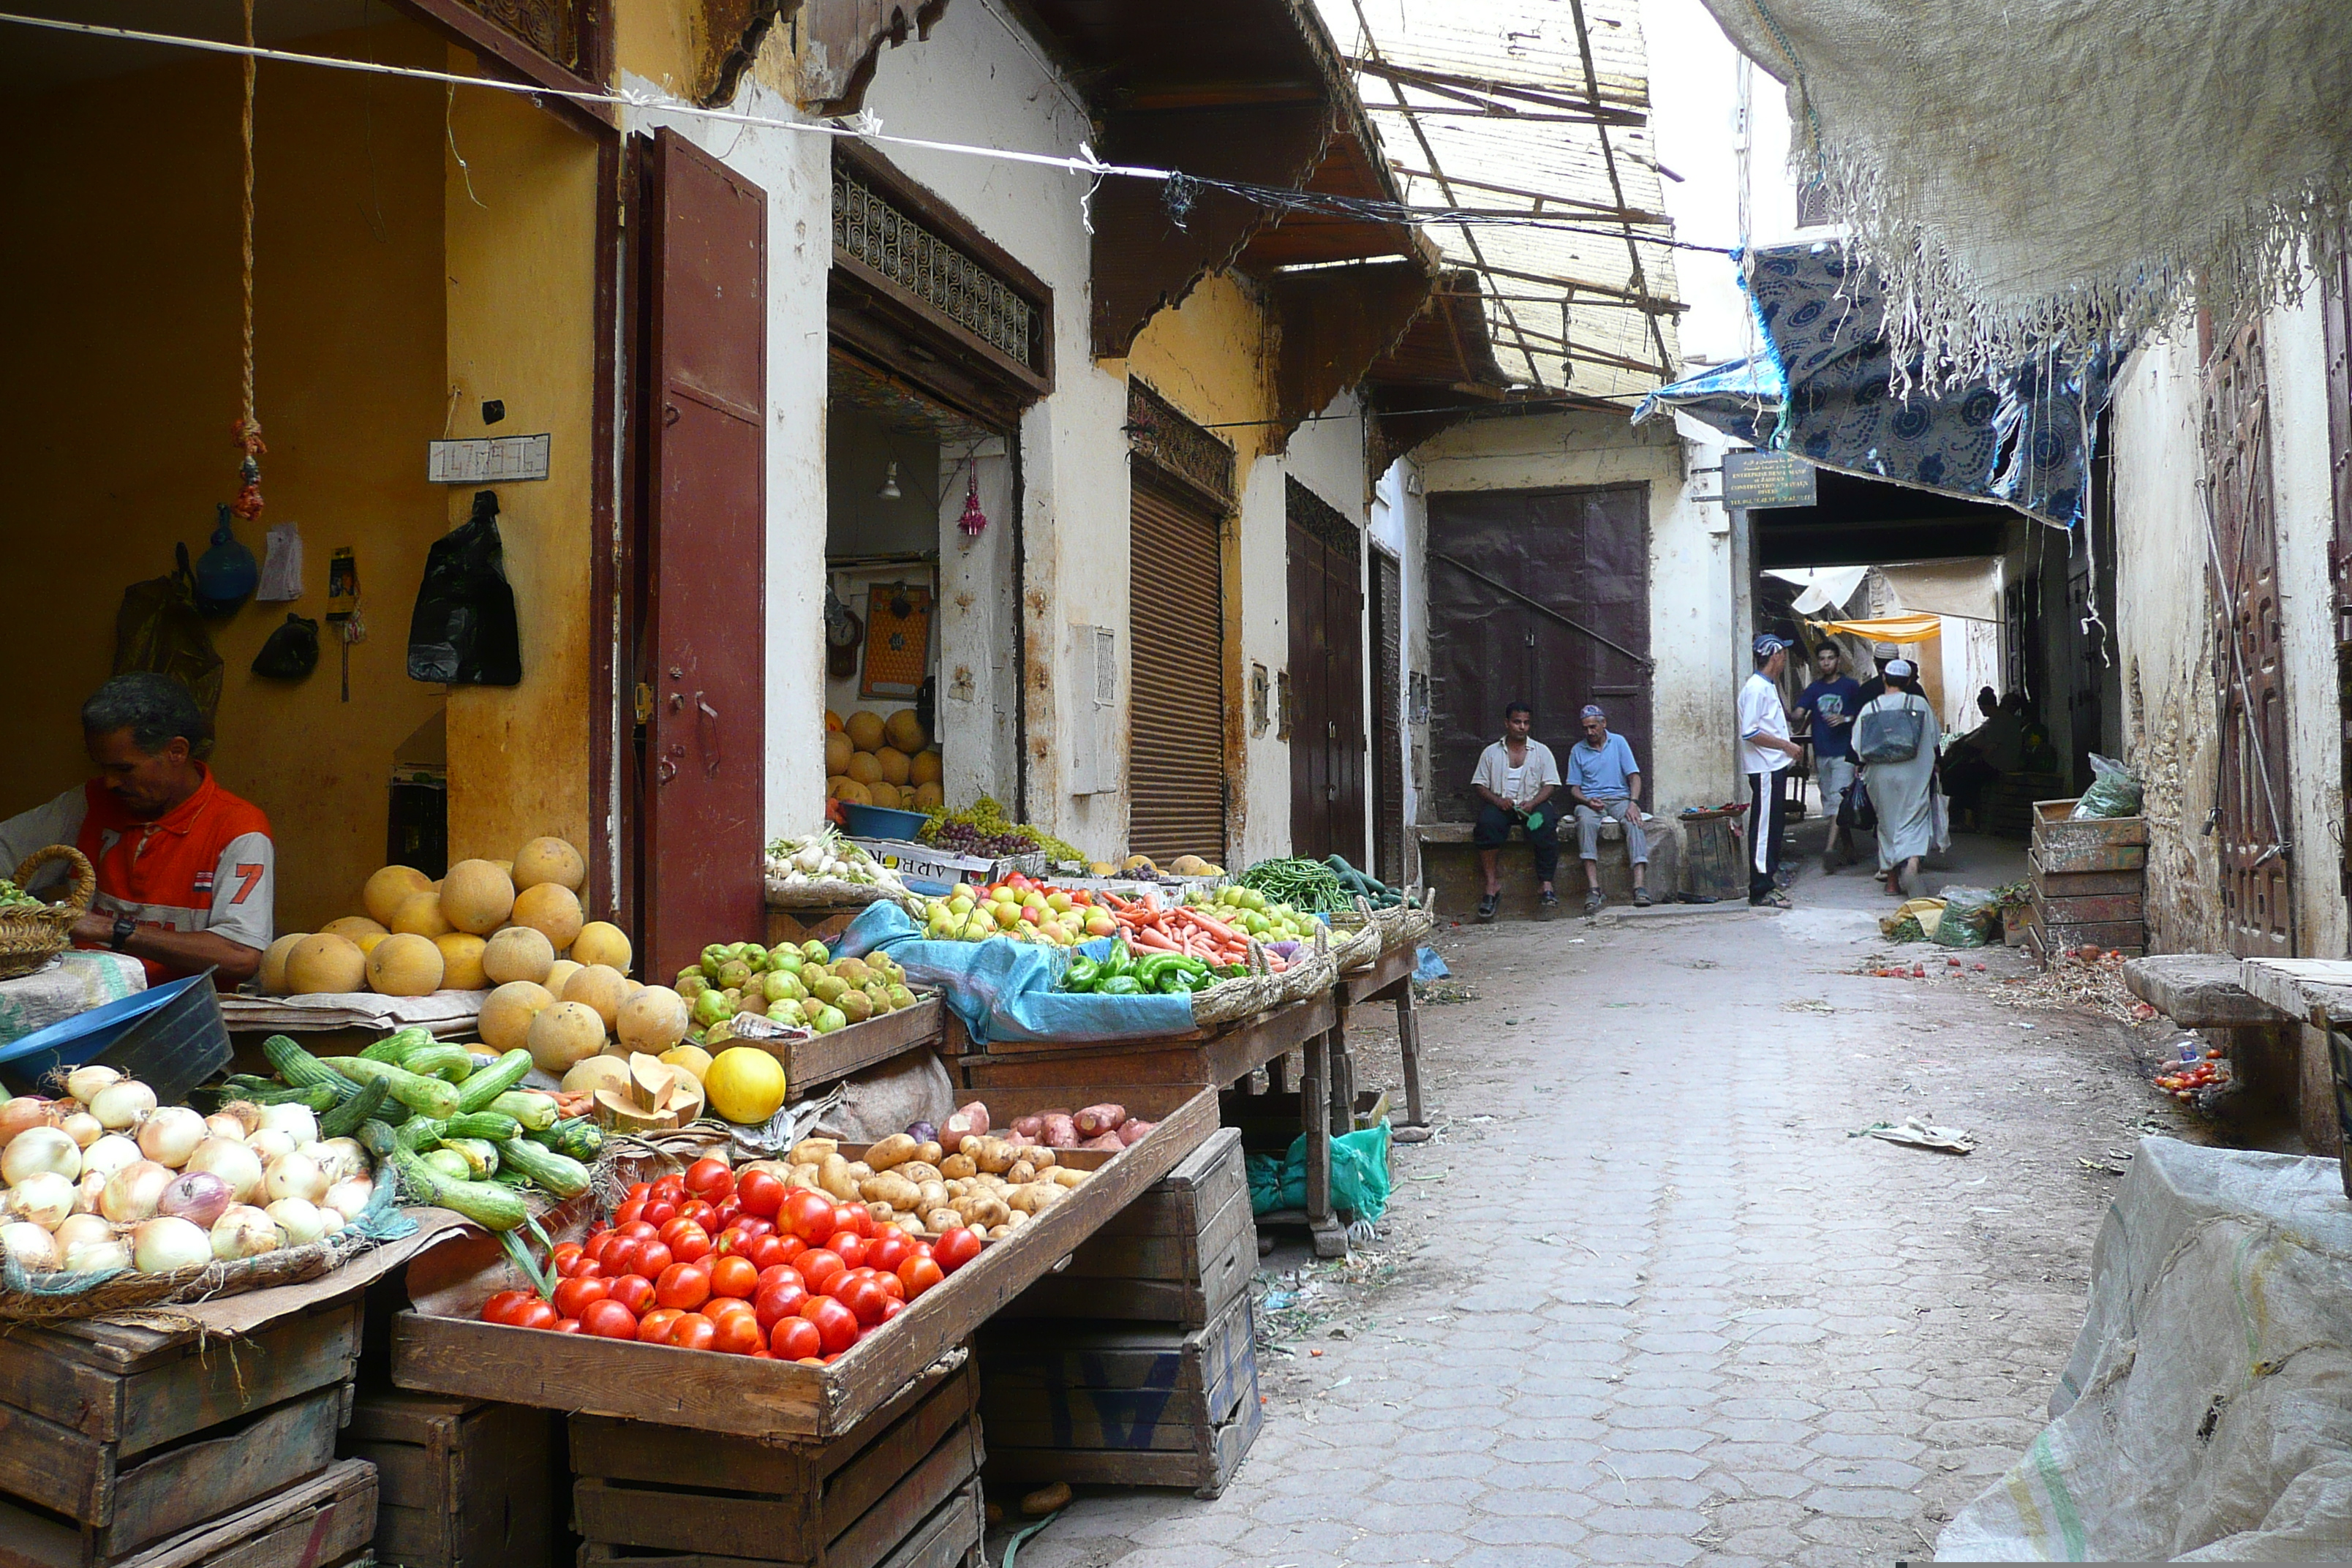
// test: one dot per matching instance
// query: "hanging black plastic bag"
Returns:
(225, 573)
(292, 651)
(158, 628)
(464, 631)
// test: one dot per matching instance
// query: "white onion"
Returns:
(81, 1227)
(332, 1219)
(29, 1244)
(82, 1127)
(122, 1104)
(90, 1191)
(243, 1231)
(171, 1135)
(162, 1245)
(299, 1218)
(132, 1191)
(84, 1083)
(295, 1176)
(88, 1256)
(341, 1158)
(109, 1155)
(351, 1195)
(38, 1149)
(294, 1119)
(247, 1114)
(221, 1124)
(199, 1197)
(232, 1163)
(25, 1110)
(43, 1198)
(270, 1144)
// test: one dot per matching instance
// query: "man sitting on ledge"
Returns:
(1515, 783)
(1605, 782)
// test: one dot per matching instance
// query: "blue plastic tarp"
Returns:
(1005, 990)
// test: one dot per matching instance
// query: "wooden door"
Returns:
(1387, 717)
(1542, 597)
(700, 650)
(2335, 315)
(1327, 673)
(1176, 733)
(2256, 825)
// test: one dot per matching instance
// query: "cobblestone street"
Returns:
(1645, 1299)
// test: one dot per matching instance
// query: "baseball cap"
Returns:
(1767, 645)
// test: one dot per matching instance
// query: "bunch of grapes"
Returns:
(963, 838)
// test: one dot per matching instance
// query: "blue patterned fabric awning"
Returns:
(1824, 389)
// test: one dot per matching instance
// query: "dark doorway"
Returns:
(1387, 717)
(1327, 672)
(698, 783)
(1541, 596)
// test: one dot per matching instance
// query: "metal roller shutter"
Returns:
(1176, 752)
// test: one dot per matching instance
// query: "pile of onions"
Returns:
(197, 1197)
(166, 1243)
(170, 1135)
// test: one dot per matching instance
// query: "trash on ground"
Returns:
(1917, 1134)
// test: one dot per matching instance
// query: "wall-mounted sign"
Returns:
(486, 460)
(1766, 478)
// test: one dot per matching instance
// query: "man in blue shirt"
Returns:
(1604, 781)
(1832, 703)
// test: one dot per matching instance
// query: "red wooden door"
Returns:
(1327, 671)
(702, 648)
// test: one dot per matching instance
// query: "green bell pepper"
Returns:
(1119, 985)
(1081, 975)
(1119, 962)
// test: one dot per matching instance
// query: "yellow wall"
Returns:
(522, 312)
(118, 266)
(1213, 358)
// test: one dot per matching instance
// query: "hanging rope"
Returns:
(247, 430)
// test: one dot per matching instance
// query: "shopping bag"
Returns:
(1891, 735)
(463, 632)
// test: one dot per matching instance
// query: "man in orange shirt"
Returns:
(187, 876)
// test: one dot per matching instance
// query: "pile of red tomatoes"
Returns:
(704, 1261)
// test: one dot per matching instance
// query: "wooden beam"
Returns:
(1435, 80)
(1600, 210)
(1582, 286)
(1497, 112)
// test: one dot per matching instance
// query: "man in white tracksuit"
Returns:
(1765, 753)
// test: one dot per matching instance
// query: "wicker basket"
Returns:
(31, 936)
(130, 1292)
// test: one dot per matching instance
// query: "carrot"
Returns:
(1148, 937)
(1215, 928)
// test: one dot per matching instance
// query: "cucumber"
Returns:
(490, 1125)
(317, 1098)
(487, 1084)
(394, 1048)
(300, 1069)
(565, 1178)
(450, 1064)
(450, 1163)
(480, 1155)
(533, 1109)
(344, 1120)
(490, 1205)
(428, 1095)
(576, 1138)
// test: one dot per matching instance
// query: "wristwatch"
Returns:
(123, 926)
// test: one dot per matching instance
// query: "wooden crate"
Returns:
(854, 1502)
(949, 1538)
(325, 1521)
(1180, 1254)
(2063, 845)
(849, 1050)
(444, 1347)
(459, 1484)
(1120, 1405)
(132, 1434)
(2084, 884)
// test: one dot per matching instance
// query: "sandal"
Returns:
(1593, 904)
(1487, 905)
(1775, 900)
(1641, 897)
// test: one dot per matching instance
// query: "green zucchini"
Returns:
(319, 1097)
(490, 1125)
(565, 1178)
(428, 1095)
(480, 1155)
(344, 1120)
(449, 1163)
(576, 1138)
(487, 1084)
(490, 1205)
(535, 1110)
(300, 1069)
(395, 1047)
(450, 1064)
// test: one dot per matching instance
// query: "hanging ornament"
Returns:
(973, 519)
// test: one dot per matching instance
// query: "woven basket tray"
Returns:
(130, 1292)
(832, 893)
(30, 937)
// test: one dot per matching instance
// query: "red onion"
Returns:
(199, 1197)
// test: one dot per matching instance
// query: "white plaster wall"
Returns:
(1694, 601)
(1400, 522)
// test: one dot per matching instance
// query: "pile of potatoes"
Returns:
(873, 760)
(988, 1184)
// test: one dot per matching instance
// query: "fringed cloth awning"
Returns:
(1887, 628)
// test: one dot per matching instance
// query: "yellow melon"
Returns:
(928, 797)
(905, 730)
(894, 763)
(273, 963)
(476, 897)
(864, 730)
(507, 1014)
(653, 1020)
(851, 791)
(365, 941)
(518, 953)
(864, 767)
(549, 860)
(601, 988)
(837, 753)
(551, 908)
(405, 966)
(559, 973)
(420, 914)
(461, 961)
(321, 964)
(925, 767)
(832, 720)
(561, 1034)
(601, 942)
(388, 887)
(350, 928)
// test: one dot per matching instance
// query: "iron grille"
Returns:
(868, 229)
(1155, 430)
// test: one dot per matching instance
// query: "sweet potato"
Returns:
(969, 1121)
(1028, 1126)
(1131, 1131)
(1107, 1141)
(1097, 1120)
(1061, 1131)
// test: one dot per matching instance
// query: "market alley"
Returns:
(1646, 1298)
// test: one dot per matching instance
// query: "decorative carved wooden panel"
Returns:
(842, 41)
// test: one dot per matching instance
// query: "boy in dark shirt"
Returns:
(1831, 702)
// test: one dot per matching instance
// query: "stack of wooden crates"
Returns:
(2089, 878)
(1137, 1365)
(141, 1448)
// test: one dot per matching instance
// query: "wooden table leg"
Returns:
(1277, 1074)
(1415, 1128)
(1341, 1063)
(1330, 1237)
